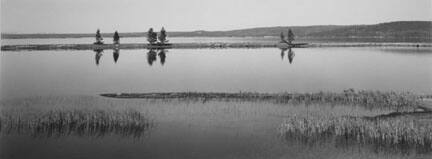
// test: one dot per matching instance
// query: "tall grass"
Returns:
(399, 132)
(75, 122)
(397, 101)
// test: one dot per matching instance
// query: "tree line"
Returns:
(152, 37)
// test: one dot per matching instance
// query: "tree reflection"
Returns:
(283, 52)
(151, 56)
(162, 56)
(291, 55)
(98, 55)
(116, 54)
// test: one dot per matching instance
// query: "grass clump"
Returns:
(75, 122)
(402, 131)
(404, 101)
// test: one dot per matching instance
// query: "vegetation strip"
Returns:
(396, 101)
(194, 45)
(131, 46)
(75, 122)
(401, 131)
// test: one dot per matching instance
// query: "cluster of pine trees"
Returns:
(289, 39)
(99, 39)
(152, 37)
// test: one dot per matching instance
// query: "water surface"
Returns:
(37, 81)
(193, 129)
(44, 73)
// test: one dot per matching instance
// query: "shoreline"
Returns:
(199, 45)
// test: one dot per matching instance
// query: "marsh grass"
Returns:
(350, 144)
(402, 133)
(396, 101)
(57, 123)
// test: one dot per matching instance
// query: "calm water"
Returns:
(41, 73)
(47, 80)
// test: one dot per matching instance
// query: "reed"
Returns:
(400, 132)
(75, 122)
(397, 101)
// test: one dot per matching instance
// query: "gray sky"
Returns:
(85, 16)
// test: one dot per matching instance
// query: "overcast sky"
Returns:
(85, 16)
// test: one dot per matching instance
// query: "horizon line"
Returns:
(14, 33)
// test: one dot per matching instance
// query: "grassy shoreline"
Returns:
(198, 45)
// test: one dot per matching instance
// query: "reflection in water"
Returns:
(290, 55)
(116, 54)
(162, 56)
(307, 75)
(151, 56)
(153, 53)
(98, 55)
(283, 52)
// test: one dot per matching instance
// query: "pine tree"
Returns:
(290, 36)
(154, 37)
(99, 39)
(151, 36)
(162, 36)
(282, 36)
(116, 38)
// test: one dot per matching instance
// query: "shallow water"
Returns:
(44, 73)
(191, 129)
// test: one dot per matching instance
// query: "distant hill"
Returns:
(300, 31)
(417, 29)
(401, 29)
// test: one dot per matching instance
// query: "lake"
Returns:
(39, 81)
(44, 73)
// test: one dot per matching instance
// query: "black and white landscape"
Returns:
(226, 79)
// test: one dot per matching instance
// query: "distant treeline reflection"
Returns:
(152, 55)
(290, 55)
